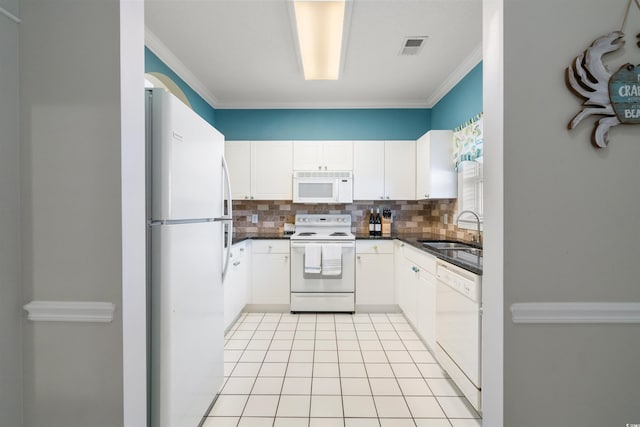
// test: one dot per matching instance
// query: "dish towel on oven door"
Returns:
(312, 257)
(331, 260)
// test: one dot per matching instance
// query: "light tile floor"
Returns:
(326, 370)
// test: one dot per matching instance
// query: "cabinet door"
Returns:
(427, 308)
(337, 155)
(407, 289)
(368, 170)
(270, 280)
(307, 155)
(271, 170)
(400, 170)
(374, 279)
(435, 176)
(238, 157)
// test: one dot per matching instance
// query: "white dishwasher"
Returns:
(458, 328)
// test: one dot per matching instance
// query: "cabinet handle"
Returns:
(359, 258)
(325, 168)
(286, 257)
(387, 197)
(246, 197)
(426, 195)
(381, 197)
(237, 263)
(251, 197)
(241, 249)
(319, 168)
(375, 248)
(415, 269)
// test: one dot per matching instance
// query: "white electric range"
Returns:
(323, 264)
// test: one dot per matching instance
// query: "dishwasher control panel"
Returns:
(468, 284)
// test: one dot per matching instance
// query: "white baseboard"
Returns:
(576, 312)
(70, 311)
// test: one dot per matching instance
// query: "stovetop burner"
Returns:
(323, 227)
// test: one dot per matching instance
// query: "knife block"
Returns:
(386, 227)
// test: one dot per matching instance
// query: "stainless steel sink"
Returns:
(446, 245)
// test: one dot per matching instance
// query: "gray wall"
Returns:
(71, 202)
(571, 228)
(10, 289)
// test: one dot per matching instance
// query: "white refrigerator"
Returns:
(189, 240)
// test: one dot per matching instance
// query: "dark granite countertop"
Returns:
(239, 237)
(463, 260)
(470, 263)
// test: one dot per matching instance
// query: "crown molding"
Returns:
(318, 105)
(473, 59)
(70, 311)
(167, 56)
(576, 312)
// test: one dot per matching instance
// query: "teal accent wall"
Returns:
(153, 64)
(323, 124)
(461, 103)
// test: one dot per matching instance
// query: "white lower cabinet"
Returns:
(236, 283)
(416, 283)
(270, 272)
(374, 273)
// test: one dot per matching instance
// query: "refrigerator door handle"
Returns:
(227, 180)
(228, 218)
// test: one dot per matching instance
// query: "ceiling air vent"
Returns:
(412, 45)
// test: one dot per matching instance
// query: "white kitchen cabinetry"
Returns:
(374, 273)
(435, 175)
(260, 170)
(238, 157)
(270, 272)
(271, 170)
(323, 155)
(416, 283)
(399, 170)
(384, 170)
(368, 170)
(236, 283)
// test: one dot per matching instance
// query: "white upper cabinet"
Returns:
(435, 176)
(400, 170)
(271, 170)
(384, 170)
(238, 157)
(368, 170)
(323, 155)
(260, 170)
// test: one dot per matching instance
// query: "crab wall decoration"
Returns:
(615, 96)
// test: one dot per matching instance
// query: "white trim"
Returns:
(70, 311)
(167, 56)
(576, 312)
(474, 58)
(347, 105)
(10, 15)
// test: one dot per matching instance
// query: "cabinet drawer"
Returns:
(270, 246)
(422, 259)
(374, 247)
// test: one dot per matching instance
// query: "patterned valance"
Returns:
(468, 141)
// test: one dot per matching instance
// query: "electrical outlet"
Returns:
(254, 219)
(445, 219)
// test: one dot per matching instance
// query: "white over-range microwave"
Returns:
(322, 187)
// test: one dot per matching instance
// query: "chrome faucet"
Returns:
(477, 220)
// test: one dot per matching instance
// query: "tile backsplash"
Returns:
(423, 216)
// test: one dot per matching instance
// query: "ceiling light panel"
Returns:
(319, 25)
